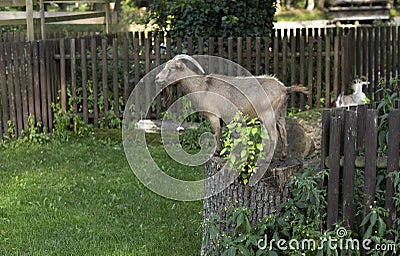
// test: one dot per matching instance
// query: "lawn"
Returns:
(81, 198)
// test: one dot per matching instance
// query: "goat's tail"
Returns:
(297, 88)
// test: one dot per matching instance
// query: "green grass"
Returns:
(81, 198)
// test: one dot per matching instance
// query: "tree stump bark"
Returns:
(264, 197)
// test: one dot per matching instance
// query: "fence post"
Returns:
(350, 118)
(392, 164)
(334, 166)
(371, 132)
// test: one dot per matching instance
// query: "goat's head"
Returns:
(358, 83)
(175, 70)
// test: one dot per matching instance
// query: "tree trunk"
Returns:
(310, 5)
(264, 197)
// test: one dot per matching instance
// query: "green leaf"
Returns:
(373, 218)
(272, 253)
(301, 205)
(259, 252)
(365, 220)
(381, 227)
(240, 239)
(368, 232)
(240, 220)
(243, 251)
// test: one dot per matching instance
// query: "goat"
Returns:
(268, 102)
(358, 97)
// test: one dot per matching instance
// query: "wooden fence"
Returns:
(93, 75)
(350, 142)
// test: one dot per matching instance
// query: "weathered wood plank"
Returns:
(392, 165)
(136, 51)
(73, 75)
(17, 86)
(319, 73)
(158, 63)
(310, 71)
(327, 72)
(24, 95)
(84, 82)
(302, 67)
(248, 54)
(115, 77)
(371, 132)
(293, 71)
(104, 62)
(258, 56)
(267, 54)
(43, 86)
(239, 54)
(336, 68)
(11, 89)
(4, 95)
(93, 50)
(334, 172)
(350, 130)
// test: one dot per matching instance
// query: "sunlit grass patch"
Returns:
(81, 198)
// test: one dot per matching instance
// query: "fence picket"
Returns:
(267, 55)
(84, 82)
(30, 79)
(258, 56)
(4, 95)
(248, 53)
(336, 68)
(276, 53)
(371, 131)
(73, 75)
(43, 86)
(17, 87)
(239, 54)
(319, 72)
(136, 51)
(350, 119)
(334, 174)
(310, 71)
(24, 95)
(328, 72)
(158, 87)
(392, 164)
(93, 50)
(293, 62)
(302, 67)
(11, 92)
(115, 76)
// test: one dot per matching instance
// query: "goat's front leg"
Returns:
(281, 124)
(216, 129)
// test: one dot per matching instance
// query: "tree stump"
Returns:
(264, 197)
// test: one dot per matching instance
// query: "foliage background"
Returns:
(225, 18)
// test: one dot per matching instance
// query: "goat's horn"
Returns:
(363, 78)
(191, 59)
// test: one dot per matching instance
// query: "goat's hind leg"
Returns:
(216, 129)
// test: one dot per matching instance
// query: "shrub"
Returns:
(205, 18)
